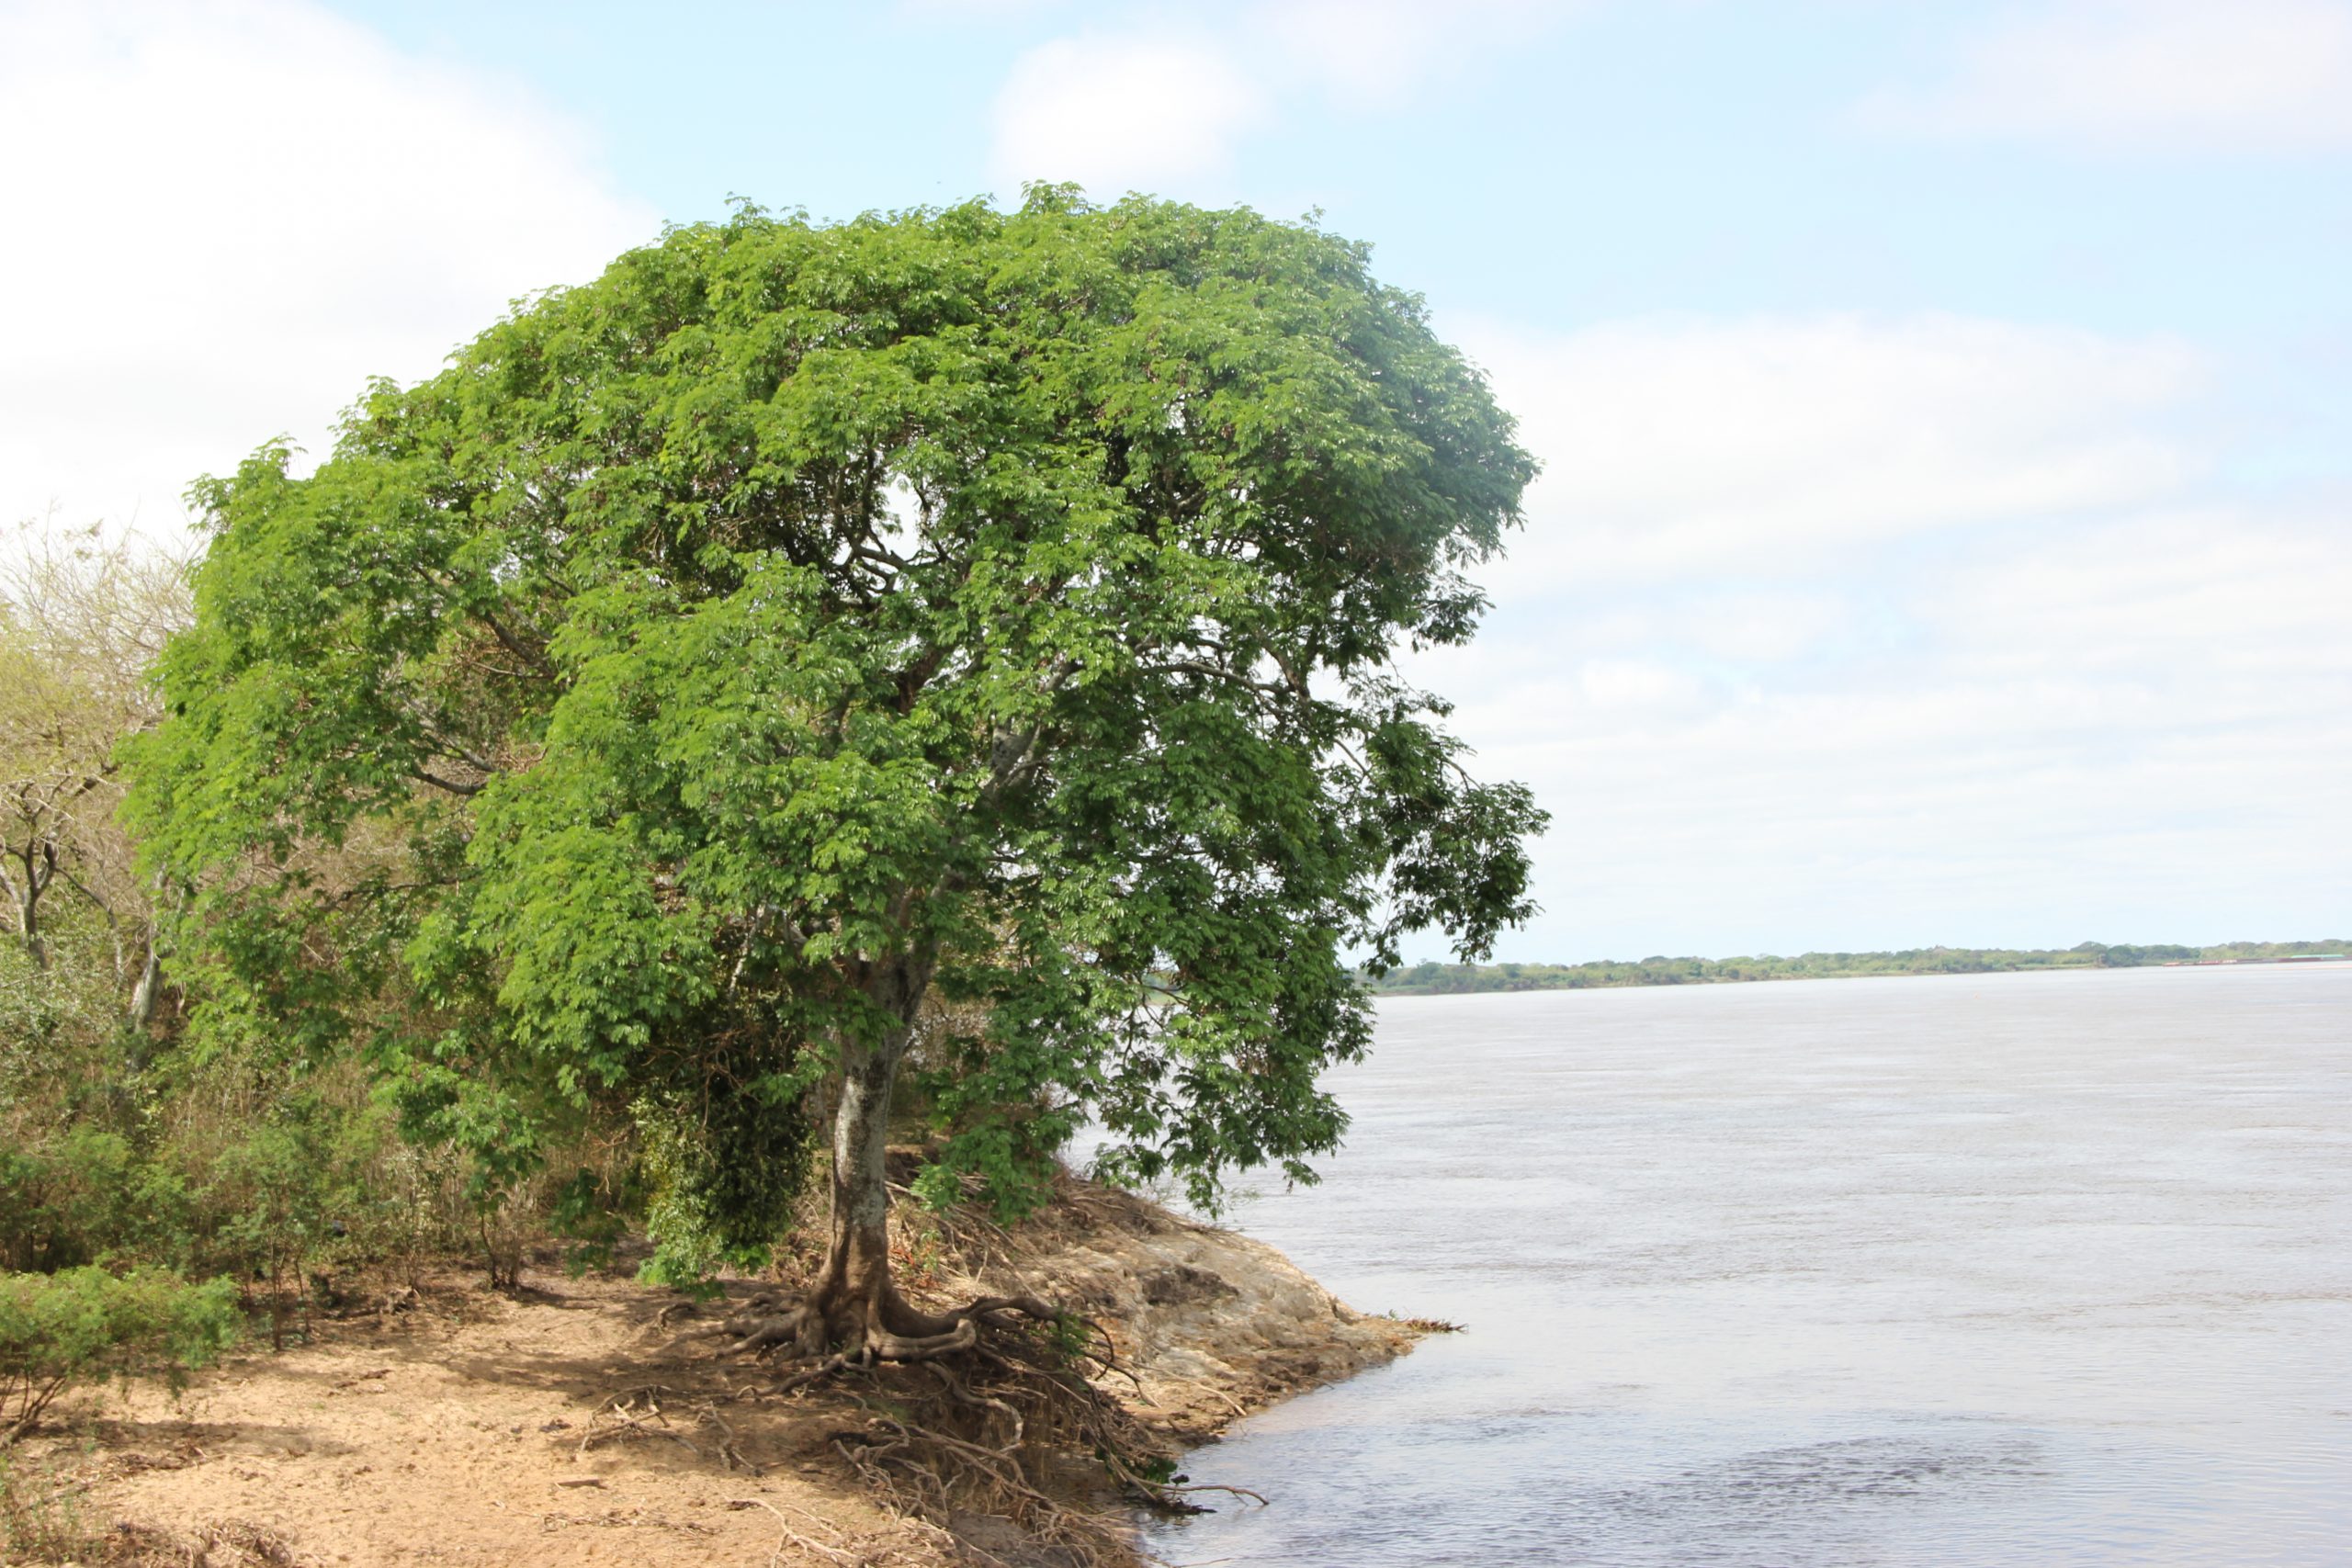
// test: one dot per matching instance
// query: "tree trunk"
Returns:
(853, 1309)
(28, 900)
(145, 994)
(149, 992)
(855, 1286)
(856, 1302)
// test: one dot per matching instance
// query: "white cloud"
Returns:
(1146, 106)
(1637, 684)
(1370, 51)
(228, 214)
(2133, 731)
(1841, 633)
(2210, 598)
(2247, 76)
(1116, 113)
(1761, 628)
(1674, 445)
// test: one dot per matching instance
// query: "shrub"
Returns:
(39, 1521)
(84, 1325)
(283, 1194)
(62, 1199)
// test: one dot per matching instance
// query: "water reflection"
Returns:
(2036, 1268)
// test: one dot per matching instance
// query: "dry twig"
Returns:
(787, 1535)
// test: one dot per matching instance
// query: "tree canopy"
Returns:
(803, 626)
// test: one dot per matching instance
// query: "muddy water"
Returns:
(2024, 1268)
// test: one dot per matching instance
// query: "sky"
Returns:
(1945, 533)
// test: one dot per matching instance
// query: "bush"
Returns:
(39, 1521)
(277, 1192)
(63, 1200)
(85, 1325)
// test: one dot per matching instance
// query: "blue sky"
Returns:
(1945, 407)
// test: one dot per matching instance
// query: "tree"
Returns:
(82, 614)
(647, 715)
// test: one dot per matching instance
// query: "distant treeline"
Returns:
(1441, 979)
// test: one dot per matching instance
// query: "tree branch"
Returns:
(425, 775)
(75, 882)
(507, 641)
(1216, 672)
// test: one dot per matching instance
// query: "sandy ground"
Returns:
(465, 1436)
(481, 1428)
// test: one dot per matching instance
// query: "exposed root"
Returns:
(885, 1346)
(644, 1413)
(625, 1414)
(987, 1412)
(963, 1395)
(1169, 1494)
(817, 1373)
(730, 1453)
(882, 1329)
(1000, 1406)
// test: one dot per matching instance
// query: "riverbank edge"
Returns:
(1214, 1324)
(456, 1426)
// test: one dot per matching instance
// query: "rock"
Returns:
(1212, 1324)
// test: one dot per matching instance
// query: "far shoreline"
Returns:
(1433, 979)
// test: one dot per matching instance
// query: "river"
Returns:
(1989, 1269)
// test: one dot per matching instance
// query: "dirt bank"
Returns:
(582, 1420)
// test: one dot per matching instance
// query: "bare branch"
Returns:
(75, 882)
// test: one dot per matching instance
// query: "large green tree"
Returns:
(650, 713)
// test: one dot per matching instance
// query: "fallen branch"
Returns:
(793, 1536)
(617, 1408)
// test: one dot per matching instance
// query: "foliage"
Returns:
(75, 1182)
(40, 1521)
(117, 1146)
(208, 1167)
(280, 1194)
(86, 1324)
(632, 725)
(67, 1200)
(1438, 980)
(82, 614)
(60, 1016)
(721, 1185)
